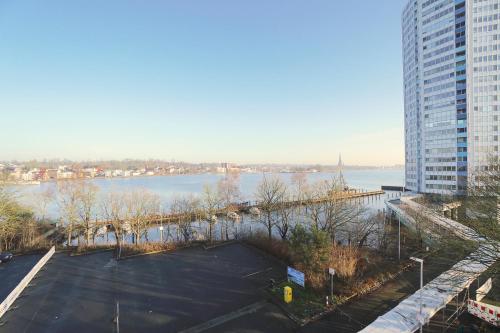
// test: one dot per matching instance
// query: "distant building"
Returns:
(65, 174)
(50, 174)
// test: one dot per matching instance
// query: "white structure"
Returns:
(420, 307)
(451, 88)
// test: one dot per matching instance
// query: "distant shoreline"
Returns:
(39, 182)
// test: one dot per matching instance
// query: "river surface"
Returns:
(167, 187)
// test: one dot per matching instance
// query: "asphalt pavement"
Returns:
(179, 291)
(12, 272)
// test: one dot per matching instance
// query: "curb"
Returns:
(157, 252)
(143, 254)
(292, 317)
(30, 253)
(73, 254)
(230, 242)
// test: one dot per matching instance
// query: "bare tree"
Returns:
(42, 201)
(114, 212)
(328, 210)
(141, 205)
(210, 204)
(360, 229)
(87, 204)
(299, 186)
(68, 201)
(184, 208)
(228, 190)
(286, 214)
(270, 196)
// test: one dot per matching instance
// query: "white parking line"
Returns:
(255, 273)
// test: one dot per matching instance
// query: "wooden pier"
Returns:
(246, 206)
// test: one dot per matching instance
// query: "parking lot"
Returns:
(190, 290)
(11, 273)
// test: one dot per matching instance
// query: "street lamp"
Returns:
(399, 237)
(421, 261)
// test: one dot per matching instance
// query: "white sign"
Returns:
(161, 228)
(295, 276)
(331, 271)
(483, 290)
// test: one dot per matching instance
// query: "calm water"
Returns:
(168, 187)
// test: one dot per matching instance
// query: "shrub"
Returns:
(344, 259)
(310, 250)
(275, 247)
(91, 248)
(131, 249)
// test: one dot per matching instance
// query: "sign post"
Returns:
(331, 271)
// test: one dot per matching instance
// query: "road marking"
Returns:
(117, 317)
(225, 318)
(255, 273)
(110, 264)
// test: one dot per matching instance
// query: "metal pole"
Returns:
(161, 225)
(421, 287)
(421, 261)
(399, 237)
(331, 287)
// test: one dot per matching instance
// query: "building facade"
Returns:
(450, 65)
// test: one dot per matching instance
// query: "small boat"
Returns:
(254, 211)
(233, 215)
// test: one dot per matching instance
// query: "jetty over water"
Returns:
(245, 207)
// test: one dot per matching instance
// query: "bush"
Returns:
(344, 259)
(131, 249)
(91, 248)
(275, 247)
(310, 250)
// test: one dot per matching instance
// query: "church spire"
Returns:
(341, 176)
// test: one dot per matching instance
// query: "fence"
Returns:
(14, 294)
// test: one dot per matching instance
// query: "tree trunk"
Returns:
(69, 234)
(210, 227)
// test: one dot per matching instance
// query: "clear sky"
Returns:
(220, 80)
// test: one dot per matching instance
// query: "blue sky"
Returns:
(241, 81)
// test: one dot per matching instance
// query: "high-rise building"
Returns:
(451, 53)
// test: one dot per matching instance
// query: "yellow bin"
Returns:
(287, 294)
